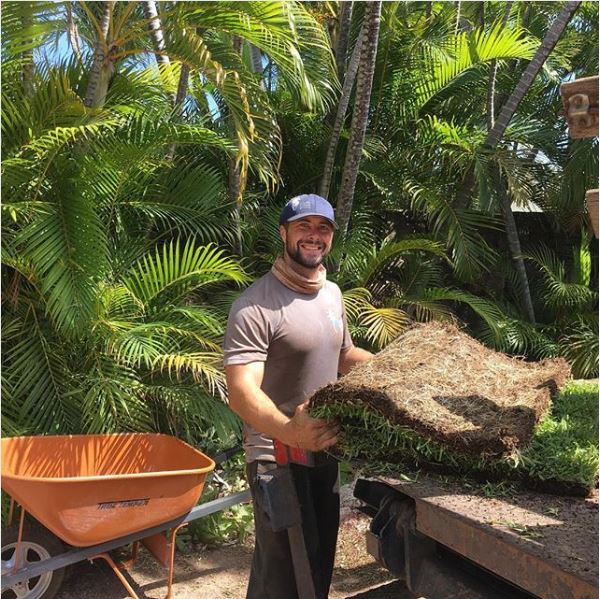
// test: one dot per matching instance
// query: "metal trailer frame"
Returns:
(441, 554)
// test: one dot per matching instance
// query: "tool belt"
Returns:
(284, 455)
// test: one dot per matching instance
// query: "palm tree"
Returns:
(102, 65)
(341, 44)
(360, 114)
(548, 43)
(156, 34)
(495, 134)
(491, 104)
(107, 325)
(340, 116)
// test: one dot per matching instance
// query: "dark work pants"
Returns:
(272, 573)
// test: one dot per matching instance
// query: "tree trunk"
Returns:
(341, 50)
(74, 39)
(341, 46)
(235, 184)
(533, 68)
(514, 245)
(158, 39)
(497, 131)
(102, 66)
(256, 60)
(360, 114)
(428, 7)
(491, 92)
(182, 87)
(594, 265)
(339, 117)
(156, 33)
(270, 76)
(28, 71)
(457, 24)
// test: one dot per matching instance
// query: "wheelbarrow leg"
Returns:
(127, 563)
(19, 541)
(162, 549)
(11, 511)
(106, 557)
(172, 560)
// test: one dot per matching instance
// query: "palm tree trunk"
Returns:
(339, 117)
(28, 71)
(256, 60)
(514, 246)
(457, 23)
(341, 46)
(102, 66)
(156, 33)
(74, 39)
(270, 76)
(27, 74)
(594, 265)
(341, 50)
(497, 131)
(158, 39)
(182, 86)
(491, 92)
(235, 183)
(360, 114)
(428, 7)
(533, 68)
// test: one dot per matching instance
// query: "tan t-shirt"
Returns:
(298, 336)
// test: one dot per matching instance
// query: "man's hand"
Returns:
(309, 433)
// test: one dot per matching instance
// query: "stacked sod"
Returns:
(438, 399)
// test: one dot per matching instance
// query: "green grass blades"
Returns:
(562, 456)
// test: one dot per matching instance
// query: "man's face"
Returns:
(307, 240)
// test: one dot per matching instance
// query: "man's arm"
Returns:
(255, 407)
(352, 357)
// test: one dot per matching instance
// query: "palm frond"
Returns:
(67, 249)
(179, 269)
(579, 345)
(558, 292)
(36, 376)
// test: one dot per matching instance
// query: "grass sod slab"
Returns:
(561, 458)
(449, 389)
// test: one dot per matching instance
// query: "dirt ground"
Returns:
(222, 573)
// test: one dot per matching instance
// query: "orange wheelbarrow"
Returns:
(97, 492)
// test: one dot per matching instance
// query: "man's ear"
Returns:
(282, 232)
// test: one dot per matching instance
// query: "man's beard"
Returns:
(295, 253)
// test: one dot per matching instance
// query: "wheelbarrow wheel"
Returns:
(37, 544)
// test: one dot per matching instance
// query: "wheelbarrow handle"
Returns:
(226, 454)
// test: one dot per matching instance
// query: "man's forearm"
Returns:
(257, 409)
(353, 356)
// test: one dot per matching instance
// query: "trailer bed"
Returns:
(544, 544)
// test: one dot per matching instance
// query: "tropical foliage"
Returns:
(138, 199)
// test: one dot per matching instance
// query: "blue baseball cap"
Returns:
(308, 204)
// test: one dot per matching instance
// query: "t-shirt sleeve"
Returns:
(247, 336)
(347, 342)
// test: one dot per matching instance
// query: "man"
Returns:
(287, 337)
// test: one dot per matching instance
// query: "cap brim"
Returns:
(299, 216)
